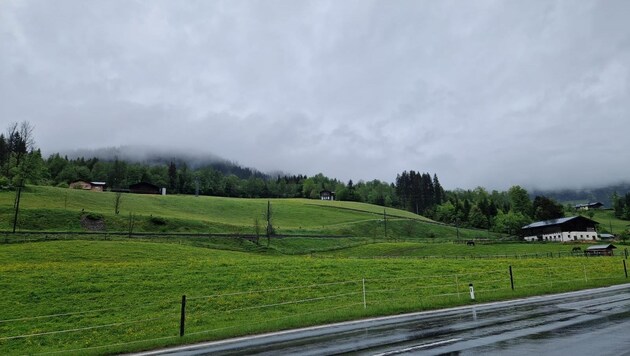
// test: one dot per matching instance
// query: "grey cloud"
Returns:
(482, 93)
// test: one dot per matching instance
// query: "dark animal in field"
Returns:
(470, 243)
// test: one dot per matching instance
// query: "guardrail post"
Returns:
(625, 269)
(182, 321)
(511, 278)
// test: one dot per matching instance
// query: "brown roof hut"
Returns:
(144, 188)
(600, 250)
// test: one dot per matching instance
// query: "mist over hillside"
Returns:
(585, 195)
(162, 155)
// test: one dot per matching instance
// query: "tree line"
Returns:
(621, 206)
(19, 160)
(505, 212)
(417, 192)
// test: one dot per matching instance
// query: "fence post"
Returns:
(472, 291)
(511, 278)
(584, 268)
(625, 250)
(364, 300)
(457, 286)
(182, 321)
(625, 270)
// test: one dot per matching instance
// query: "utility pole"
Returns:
(269, 223)
(610, 224)
(16, 206)
(385, 222)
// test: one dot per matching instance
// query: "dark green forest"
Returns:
(502, 211)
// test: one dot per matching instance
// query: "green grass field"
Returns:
(59, 209)
(452, 250)
(101, 297)
(77, 293)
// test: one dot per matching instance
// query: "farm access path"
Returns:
(583, 322)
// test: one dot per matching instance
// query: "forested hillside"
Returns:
(421, 193)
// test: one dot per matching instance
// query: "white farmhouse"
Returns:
(575, 228)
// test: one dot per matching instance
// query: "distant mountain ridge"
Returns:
(163, 156)
(602, 194)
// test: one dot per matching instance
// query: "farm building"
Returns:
(588, 206)
(144, 188)
(327, 195)
(600, 250)
(575, 228)
(94, 186)
(606, 236)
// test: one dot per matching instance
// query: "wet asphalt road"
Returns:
(594, 322)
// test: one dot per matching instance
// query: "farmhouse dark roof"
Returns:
(549, 222)
(144, 184)
(601, 247)
(589, 205)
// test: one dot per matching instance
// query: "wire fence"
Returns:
(8, 237)
(211, 238)
(230, 313)
(477, 256)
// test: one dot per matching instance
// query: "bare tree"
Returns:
(26, 132)
(20, 141)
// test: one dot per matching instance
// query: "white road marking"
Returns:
(418, 347)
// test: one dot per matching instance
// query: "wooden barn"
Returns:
(600, 250)
(144, 188)
(93, 186)
(574, 228)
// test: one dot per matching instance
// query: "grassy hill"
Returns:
(608, 222)
(59, 209)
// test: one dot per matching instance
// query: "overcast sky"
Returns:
(482, 93)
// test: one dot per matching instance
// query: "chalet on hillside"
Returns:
(326, 195)
(574, 228)
(588, 206)
(93, 186)
(144, 188)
